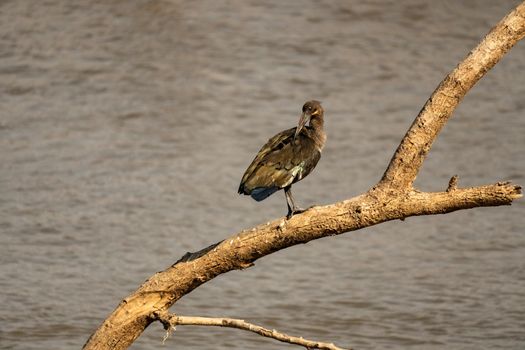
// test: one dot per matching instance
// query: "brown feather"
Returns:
(282, 161)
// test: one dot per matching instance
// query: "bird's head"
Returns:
(311, 109)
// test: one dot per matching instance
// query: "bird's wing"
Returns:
(281, 161)
(276, 143)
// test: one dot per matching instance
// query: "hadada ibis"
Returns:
(287, 158)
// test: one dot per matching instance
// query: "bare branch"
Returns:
(392, 198)
(163, 289)
(414, 147)
(171, 321)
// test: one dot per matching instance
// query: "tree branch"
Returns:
(170, 321)
(414, 147)
(392, 198)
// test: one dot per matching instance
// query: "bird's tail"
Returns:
(261, 193)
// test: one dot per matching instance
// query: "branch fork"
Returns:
(392, 198)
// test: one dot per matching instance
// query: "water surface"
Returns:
(125, 127)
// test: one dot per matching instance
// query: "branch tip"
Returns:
(516, 193)
(514, 190)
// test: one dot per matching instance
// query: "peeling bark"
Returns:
(392, 198)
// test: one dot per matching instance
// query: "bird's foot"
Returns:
(294, 211)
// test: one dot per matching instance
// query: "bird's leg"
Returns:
(292, 208)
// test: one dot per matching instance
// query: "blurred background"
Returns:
(125, 127)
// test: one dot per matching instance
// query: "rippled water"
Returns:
(125, 127)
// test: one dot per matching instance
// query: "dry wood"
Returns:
(392, 198)
(414, 147)
(170, 321)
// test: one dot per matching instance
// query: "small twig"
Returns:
(167, 335)
(453, 183)
(169, 321)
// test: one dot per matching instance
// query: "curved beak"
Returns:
(305, 118)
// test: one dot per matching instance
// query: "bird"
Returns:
(286, 158)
